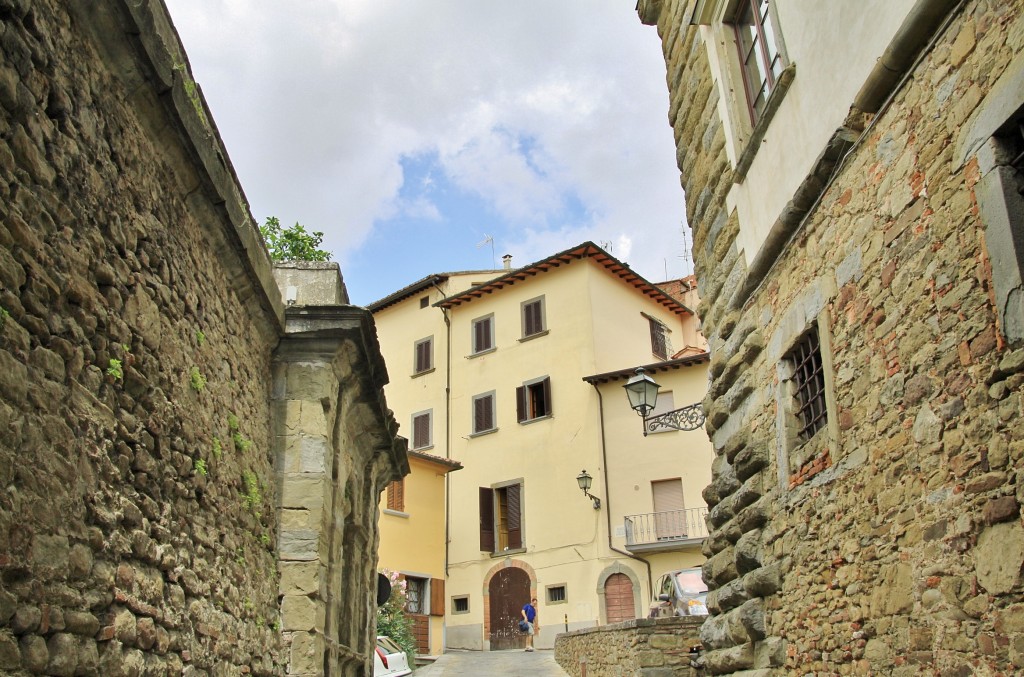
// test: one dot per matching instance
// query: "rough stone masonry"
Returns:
(189, 470)
(893, 543)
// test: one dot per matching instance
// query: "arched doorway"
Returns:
(618, 596)
(509, 591)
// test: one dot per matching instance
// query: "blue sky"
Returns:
(409, 131)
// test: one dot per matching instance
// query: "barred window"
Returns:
(809, 379)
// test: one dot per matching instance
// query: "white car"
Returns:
(389, 660)
(681, 593)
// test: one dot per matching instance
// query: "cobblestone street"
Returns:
(505, 663)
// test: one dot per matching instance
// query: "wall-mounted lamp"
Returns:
(643, 396)
(585, 480)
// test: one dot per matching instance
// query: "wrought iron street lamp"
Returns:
(585, 481)
(643, 396)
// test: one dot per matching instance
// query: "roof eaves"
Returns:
(653, 368)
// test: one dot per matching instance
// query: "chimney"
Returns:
(507, 260)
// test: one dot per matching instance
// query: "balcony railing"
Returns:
(666, 530)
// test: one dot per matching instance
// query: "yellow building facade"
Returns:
(412, 526)
(515, 374)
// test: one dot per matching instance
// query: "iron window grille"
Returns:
(556, 593)
(809, 380)
(659, 339)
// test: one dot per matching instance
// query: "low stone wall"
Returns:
(646, 646)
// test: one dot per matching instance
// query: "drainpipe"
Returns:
(447, 429)
(608, 497)
(920, 26)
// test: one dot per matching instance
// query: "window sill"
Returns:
(533, 336)
(425, 447)
(508, 551)
(482, 433)
(546, 417)
(753, 145)
(561, 601)
(422, 373)
(395, 513)
(482, 352)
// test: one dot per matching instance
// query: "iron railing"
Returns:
(665, 527)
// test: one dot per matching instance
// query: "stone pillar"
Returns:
(335, 449)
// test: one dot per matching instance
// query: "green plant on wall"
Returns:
(200, 467)
(115, 371)
(200, 337)
(241, 444)
(232, 422)
(191, 91)
(3, 317)
(196, 379)
(218, 451)
(251, 497)
(292, 244)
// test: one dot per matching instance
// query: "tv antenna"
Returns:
(488, 240)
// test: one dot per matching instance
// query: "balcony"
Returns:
(663, 531)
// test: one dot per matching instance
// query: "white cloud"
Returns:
(531, 106)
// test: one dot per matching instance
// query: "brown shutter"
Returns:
(421, 431)
(396, 495)
(423, 356)
(482, 335)
(437, 597)
(547, 398)
(483, 413)
(521, 404)
(532, 319)
(486, 519)
(515, 520)
(391, 496)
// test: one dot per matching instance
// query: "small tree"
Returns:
(292, 244)
(391, 618)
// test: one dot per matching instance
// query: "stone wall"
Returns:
(646, 647)
(892, 543)
(138, 322)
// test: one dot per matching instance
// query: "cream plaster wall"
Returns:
(834, 45)
(594, 324)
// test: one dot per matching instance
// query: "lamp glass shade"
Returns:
(642, 392)
(584, 480)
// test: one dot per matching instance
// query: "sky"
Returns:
(427, 136)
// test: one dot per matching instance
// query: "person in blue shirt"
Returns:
(530, 616)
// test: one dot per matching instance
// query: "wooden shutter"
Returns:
(546, 386)
(421, 431)
(486, 519)
(482, 335)
(396, 495)
(423, 355)
(521, 409)
(483, 413)
(533, 321)
(437, 597)
(515, 519)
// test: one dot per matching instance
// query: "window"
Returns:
(533, 400)
(422, 430)
(396, 496)
(532, 312)
(423, 360)
(556, 594)
(483, 334)
(483, 413)
(424, 302)
(460, 605)
(415, 595)
(501, 520)
(659, 338)
(665, 404)
(758, 53)
(809, 385)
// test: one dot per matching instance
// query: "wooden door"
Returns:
(618, 598)
(509, 591)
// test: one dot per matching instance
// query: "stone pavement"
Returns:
(540, 663)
